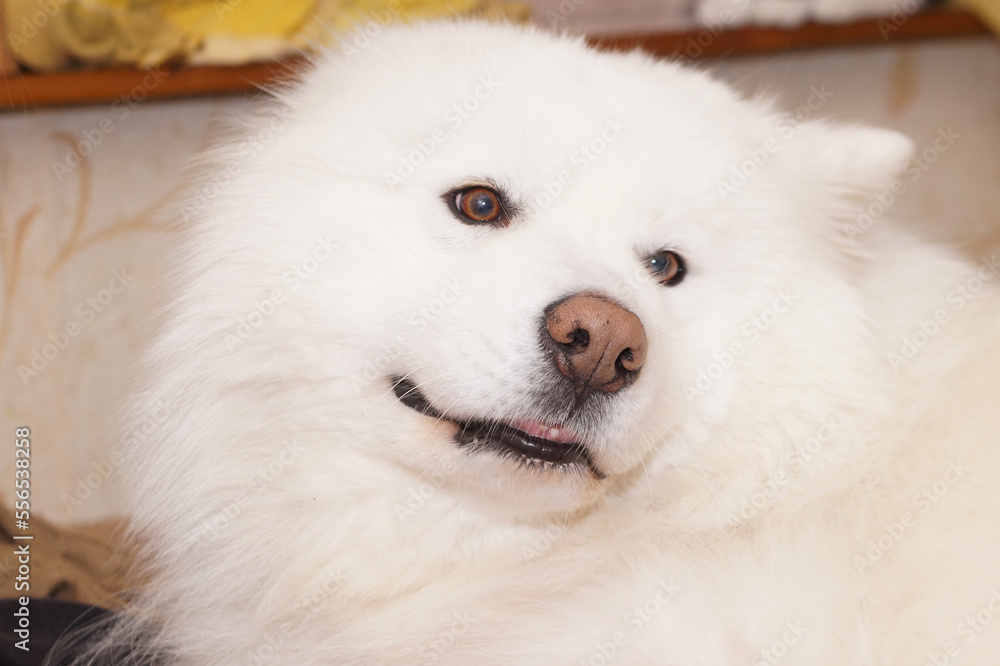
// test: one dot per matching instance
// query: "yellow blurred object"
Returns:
(988, 11)
(51, 34)
(344, 16)
(7, 62)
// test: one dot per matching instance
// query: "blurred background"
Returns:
(105, 102)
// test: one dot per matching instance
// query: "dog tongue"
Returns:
(539, 429)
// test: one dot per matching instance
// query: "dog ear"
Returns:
(851, 159)
(852, 175)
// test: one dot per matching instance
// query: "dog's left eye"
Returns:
(667, 267)
(478, 205)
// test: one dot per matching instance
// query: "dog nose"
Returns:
(597, 344)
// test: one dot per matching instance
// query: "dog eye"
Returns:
(667, 267)
(478, 205)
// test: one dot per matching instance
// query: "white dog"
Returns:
(490, 348)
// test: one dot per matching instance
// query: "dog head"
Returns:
(534, 271)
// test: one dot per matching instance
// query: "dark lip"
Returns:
(498, 436)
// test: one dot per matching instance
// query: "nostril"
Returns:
(626, 362)
(596, 343)
(579, 339)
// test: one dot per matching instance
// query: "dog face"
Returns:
(530, 268)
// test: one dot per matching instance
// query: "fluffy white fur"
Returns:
(298, 513)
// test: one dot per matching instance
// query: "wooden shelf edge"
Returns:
(30, 91)
(756, 40)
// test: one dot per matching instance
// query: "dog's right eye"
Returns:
(667, 267)
(478, 205)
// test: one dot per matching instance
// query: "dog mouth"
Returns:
(527, 440)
